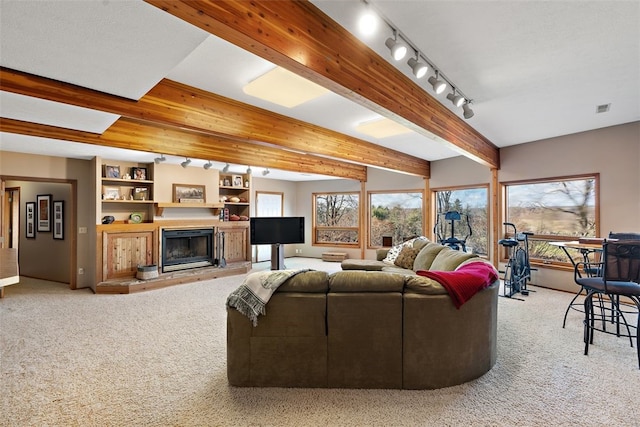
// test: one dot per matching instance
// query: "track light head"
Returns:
(467, 111)
(455, 99)
(185, 163)
(398, 49)
(249, 170)
(266, 172)
(225, 169)
(160, 159)
(438, 85)
(419, 68)
(207, 165)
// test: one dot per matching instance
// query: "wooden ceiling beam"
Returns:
(174, 104)
(137, 135)
(301, 38)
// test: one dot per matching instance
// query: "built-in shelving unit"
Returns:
(234, 186)
(125, 188)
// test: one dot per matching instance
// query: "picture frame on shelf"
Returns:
(30, 220)
(110, 193)
(189, 193)
(140, 193)
(227, 182)
(58, 219)
(237, 181)
(112, 171)
(43, 213)
(139, 174)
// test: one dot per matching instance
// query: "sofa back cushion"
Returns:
(308, 281)
(426, 256)
(449, 259)
(365, 281)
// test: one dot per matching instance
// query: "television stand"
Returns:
(277, 257)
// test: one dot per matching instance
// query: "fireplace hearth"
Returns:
(184, 249)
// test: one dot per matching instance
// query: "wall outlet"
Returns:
(82, 230)
(81, 270)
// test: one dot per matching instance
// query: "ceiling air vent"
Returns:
(602, 108)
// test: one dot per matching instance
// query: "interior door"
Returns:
(267, 204)
(10, 214)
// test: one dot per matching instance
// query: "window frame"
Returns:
(315, 227)
(548, 263)
(369, 209)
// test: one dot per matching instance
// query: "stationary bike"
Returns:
(518, 270)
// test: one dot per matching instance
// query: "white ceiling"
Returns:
(534, 69)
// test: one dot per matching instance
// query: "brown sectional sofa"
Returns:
(365, 329)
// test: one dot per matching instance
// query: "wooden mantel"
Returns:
(160, 207)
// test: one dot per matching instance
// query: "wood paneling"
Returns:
(124, 251)
(171, 107)
(137, 135)
(299, 37)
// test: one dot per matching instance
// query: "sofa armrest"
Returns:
(381, 253)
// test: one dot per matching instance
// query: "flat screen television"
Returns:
(277, 229)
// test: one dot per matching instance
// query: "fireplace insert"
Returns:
(187, 248)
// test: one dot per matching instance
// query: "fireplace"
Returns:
(183, 249)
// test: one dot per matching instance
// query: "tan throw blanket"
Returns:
(252, 295)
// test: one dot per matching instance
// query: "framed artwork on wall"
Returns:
(30, 223)
(43, 212)
(189, 193)
(58, 220)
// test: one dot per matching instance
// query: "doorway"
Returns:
(267, 204)
(10, 235)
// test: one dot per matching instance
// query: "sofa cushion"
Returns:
(423, 285)
(309, 281)
(406, 257)
(365, 281)
(363, 264)
(448, 260)
(420, 242)
(398, 270)
(426, 256)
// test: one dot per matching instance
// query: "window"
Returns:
(394, 214)
(554, 210)
(471, 203)
(336, 219)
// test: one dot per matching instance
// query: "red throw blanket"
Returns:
(465, 282)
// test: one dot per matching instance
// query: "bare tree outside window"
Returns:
(337, 218)
(559, 209)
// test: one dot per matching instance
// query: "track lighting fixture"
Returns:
(207, 165)
(397, 48)
(467, 111)
(248, 170)
(456, 99)
(185, 163)
(225, 169)
(438, 85)
(266, 172)
(160, 159)
(398, 45)
(419, 68)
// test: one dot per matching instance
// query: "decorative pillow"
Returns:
(406, 257)
(395, 251)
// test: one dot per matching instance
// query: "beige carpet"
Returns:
(72, 358)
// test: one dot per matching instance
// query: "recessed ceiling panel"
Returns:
(35, 110)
